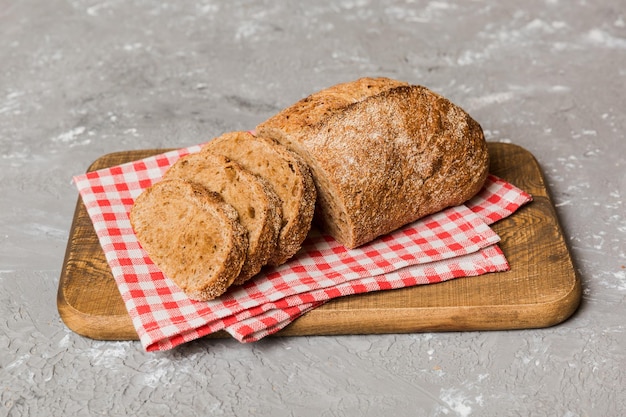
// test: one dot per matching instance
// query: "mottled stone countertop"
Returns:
(82, 78)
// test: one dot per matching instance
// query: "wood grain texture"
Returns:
(541, 289)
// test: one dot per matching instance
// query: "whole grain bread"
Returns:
(382, 154)
(289, 177)
(256, 203)
(191, 235)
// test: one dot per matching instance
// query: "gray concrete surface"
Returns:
(81, 78)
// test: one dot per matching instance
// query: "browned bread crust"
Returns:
(289, 177)
(258, 207)
(191, 235)
(385, 159)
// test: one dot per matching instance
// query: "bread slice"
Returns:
(289, 176)
(191, 235)
(382, 154)
(257, 205)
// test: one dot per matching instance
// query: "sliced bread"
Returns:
(289, 176)
(257, 205)
(191, 235)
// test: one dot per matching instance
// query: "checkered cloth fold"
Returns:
(456, 242)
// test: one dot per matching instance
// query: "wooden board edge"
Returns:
(112, 327)
(442, 319)
(570, 300)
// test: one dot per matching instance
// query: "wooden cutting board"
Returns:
(541, 289)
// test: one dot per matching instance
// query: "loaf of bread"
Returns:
(191, 235)
(289, 177)
(365, 157)
(382, 154)
(258, 206)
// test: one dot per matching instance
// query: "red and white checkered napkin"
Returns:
(456, 242)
